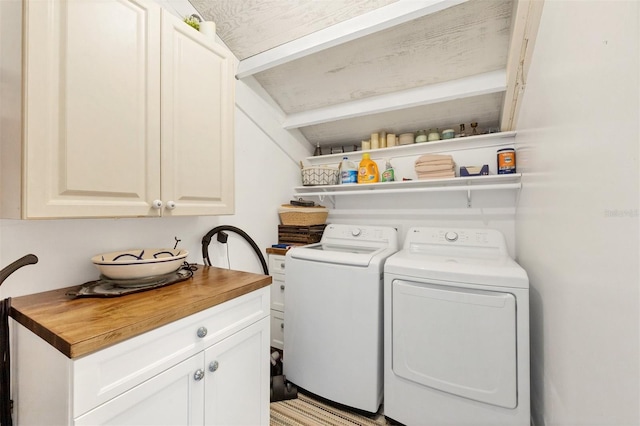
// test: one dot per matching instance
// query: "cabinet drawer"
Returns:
(277, 294)
(277, 329)
(276, 264)
(105, 374)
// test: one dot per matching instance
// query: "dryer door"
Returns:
(457, 340)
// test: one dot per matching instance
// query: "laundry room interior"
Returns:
(306, 84)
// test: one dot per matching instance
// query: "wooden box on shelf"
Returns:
(299, 235)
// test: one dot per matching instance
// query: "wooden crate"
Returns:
(299, 235)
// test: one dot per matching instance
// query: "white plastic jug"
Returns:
(348, 171)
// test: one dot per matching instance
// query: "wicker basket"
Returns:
(302, 216)
(320, 176)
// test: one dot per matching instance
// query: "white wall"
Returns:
(263, 177)
(577, 223)
(489, 209)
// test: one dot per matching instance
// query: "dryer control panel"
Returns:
(458, 237)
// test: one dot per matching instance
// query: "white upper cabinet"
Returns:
(127, 111)
(197, 122)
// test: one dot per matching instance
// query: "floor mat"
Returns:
(307, 411)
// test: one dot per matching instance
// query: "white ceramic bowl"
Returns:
(139, 263)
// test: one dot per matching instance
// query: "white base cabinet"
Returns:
(277, 271)
(211, 368)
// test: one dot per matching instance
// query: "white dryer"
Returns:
(333, 321)
(456, 339)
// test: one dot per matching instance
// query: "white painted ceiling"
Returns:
(343, 69)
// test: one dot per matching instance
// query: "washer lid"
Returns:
(472, 267)
(339, 254)
(352, 245)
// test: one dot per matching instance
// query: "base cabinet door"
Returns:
(174, 397)
(227, 384)
(237, 382)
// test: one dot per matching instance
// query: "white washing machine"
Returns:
(456, 327)
(333, 320)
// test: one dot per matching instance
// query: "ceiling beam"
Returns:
(377, 20)
(481, 84)
(524, 29)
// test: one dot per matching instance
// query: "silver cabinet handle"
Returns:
(282, 265)
(198, 375)
(202, 331)
(213, 366)
(281, 286)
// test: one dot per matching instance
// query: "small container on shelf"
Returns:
(391, 139)
(434, 135)
(406, 139)
(462, 133)
(448, 134)
(389, 174)
(383, 138)
(506, 161)
(474, 170)
(348, 171)
(375, 141)
(421, 136)
(368, 170)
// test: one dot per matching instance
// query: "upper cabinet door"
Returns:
(197, 122)
(92, 108)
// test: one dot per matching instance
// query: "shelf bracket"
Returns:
(329, 198)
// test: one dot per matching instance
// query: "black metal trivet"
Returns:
(106, 287)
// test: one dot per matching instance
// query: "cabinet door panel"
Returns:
(277, 329)
(237, 392)
(92, 108)
(197, 121)
(173, 397)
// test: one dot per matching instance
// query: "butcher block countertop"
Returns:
(79, 326)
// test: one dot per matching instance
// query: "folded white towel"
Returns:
(434, 158)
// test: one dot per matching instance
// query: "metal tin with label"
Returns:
(506, 161)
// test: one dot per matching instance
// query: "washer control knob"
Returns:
(356, 231)
(451, 236)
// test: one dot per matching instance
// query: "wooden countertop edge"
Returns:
(100, 341)
(279, 251)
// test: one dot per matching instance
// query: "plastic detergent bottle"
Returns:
(348, 171)
(368, 170)
(388, 175)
